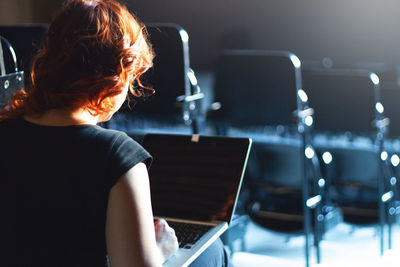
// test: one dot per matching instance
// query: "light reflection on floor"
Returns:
(343, 246)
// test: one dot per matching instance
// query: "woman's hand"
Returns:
(166, 239)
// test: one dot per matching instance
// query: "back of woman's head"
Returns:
(93, 48)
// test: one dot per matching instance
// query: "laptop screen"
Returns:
(196, 178)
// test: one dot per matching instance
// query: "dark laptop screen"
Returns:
(196, 179)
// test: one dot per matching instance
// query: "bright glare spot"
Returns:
(393, 180)
(327, 157)
(184, 36)
(216, 106)
(384, 155)
(379, 107)
(309, 120)
(395, 160)
(387, 196)
(321, 182)
(311, 202)
(192, 78)
(374, 78)
(295, 60)
(303, 96)
(309, 152)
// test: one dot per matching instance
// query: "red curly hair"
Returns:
(92, 49)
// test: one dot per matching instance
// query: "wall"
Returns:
(27, 11)
(365, 32)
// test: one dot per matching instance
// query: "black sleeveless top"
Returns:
(54, 188)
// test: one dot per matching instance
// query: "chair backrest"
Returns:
(343, 100)
(169, 75)
(257, 87)
(11, 79)
(25, 40)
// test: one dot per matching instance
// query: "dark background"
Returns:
(351, 33)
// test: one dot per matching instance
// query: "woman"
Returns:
(73, 192)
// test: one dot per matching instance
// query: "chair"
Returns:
(25, 39)
(260, 96)
(173, 106)
(390, 100)
(11, 79)
(350, 130)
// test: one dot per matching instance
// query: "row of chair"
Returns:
(348, 134)
(267, 96)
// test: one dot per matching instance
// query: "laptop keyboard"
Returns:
(188, 233)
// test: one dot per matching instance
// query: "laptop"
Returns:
(195, 181)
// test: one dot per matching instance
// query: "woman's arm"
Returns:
(130, 234)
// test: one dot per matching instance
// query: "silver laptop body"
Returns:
(196, 180)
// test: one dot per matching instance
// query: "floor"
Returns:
(343, 246)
